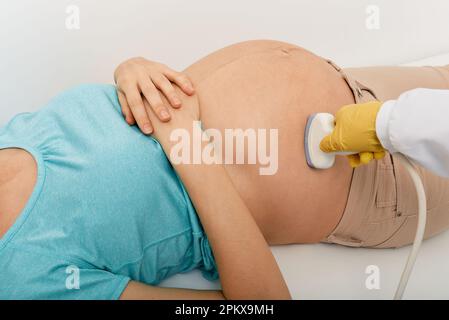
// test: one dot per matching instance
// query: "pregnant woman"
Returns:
(92, 208)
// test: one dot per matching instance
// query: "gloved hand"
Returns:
(355, 130)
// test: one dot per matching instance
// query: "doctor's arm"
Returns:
(416, 125)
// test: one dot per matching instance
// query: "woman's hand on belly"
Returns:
(136, 77)
(183, 119)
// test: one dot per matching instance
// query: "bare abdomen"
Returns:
(274, 85)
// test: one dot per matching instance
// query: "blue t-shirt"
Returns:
(107, 206)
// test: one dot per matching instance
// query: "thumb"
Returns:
(379, 155)
(354, 160)
(328, 145)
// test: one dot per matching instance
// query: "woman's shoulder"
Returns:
(87, 98)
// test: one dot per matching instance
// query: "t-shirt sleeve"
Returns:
(29, 275)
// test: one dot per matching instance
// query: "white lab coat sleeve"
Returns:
(417, 125)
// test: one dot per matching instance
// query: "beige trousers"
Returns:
(381, 209)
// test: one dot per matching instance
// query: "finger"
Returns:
(154, 99)
(328, 145)
(125, 108)
(181, 80)
(354, 160)
(342, 111)
(379, 155)
(366, 157)
(162, 83)
(138, 110)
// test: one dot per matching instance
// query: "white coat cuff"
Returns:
(383, 125)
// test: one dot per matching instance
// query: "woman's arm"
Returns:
(245, 263)
(139, 291)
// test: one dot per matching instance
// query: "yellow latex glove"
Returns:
(355, 130)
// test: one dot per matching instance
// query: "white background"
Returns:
(40, 57)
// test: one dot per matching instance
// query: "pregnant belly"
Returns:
(273, 85)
